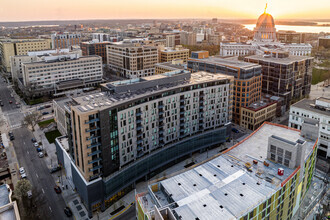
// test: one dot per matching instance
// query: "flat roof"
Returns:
(258, 105)
(171, 66)
(103, 100)
(58, 61)
(4, 195)
(286, 60)
(222, 188)
(309, 105)
(226, 62)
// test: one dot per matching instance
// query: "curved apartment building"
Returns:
(136, 127)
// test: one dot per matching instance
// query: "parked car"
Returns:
(55, 169)
(45, 113)
(21, 170)
(23, 175)
(41, 155)
(11, 135)
(40, 108)
(16, 103)
(39, 149)
(48, 106)
(68, 211)
(33, 140)
(235, 130)
(57, 189)
(29, 194)
(1, 103)
(10, 101)
(18, 106)
(36, 144)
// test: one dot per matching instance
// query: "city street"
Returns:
(52, 204)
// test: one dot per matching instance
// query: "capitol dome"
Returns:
(265, 28)
(266, 20)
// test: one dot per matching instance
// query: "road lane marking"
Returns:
(28, 152)
(42, 190)
(37, 175)
(23, 141)
(50, 208)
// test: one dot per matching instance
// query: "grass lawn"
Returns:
(319, 75)
(44, 124)
(51, 135)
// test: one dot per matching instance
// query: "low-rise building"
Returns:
(132, 60)
(168, 54)
(265, 176)
(170, 66)
(254, 115)
(63, 72)
(319, 110)
(8, 208)
(290, 37)
(138, 126)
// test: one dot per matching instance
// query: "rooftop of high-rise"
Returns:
(120, 92)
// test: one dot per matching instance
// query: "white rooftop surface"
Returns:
(222, 188)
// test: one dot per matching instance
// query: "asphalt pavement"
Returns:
(52, 204)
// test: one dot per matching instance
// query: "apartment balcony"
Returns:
(93, 145)
(95, 168)
(138, 113)
(182, 100)
(95, 160)
(161, 112)
(160, 106)
(94, 153)
(92, 137)
(92, 129)
(139, 141)
(92, 120)
(94, 177)
(139, 127)
(181, 106)
(138, 121)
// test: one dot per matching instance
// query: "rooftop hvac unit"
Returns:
(280, 171)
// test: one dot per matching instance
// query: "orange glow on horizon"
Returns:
(20, 10)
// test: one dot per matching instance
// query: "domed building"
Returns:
(265, 29)
(264, 40)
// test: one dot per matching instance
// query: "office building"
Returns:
(254, 115)
(188, 38)
(319, 109)
(167, 54)
(65, 40)
(284, 75)
(136, 127)
(290, 37)
(14, 47)
(172, 40)
(324, 42)
(199, 54)
(214, 39)
(169, 66)
(132, 60)
(265, 40)
(95, 48)
(265, 176)
(34, 56)
(62, 72)
(247, 85)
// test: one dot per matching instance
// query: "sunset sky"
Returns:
(28, 10)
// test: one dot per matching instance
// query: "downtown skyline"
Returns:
(37, 10)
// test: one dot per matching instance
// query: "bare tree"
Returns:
(22, 187)
(32, 119)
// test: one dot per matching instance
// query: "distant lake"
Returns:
(308, 29)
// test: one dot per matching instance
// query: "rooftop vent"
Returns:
(204, 205)
(221, 206)
(241, 194)
(179, 184)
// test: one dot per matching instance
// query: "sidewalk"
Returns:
(10, 151)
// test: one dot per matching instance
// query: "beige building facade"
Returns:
(256, 114)
(10, 47)
(168, 54)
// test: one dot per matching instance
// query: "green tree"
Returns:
(32, 119)
(22, 187)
